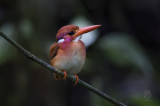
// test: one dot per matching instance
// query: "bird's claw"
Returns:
(77, 79)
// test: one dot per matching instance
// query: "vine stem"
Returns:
(34, 58)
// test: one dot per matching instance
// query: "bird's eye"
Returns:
(71, 33)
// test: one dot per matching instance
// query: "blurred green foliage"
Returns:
(123, 50)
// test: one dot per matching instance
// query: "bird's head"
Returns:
(71, 32)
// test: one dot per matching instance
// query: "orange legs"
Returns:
(58, 77)
(65, 75)
(77, 78)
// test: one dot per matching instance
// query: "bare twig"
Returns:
(43, 63)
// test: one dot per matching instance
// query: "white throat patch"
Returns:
(75, 40)
(61, 41)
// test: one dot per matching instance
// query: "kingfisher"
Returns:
(68, 53)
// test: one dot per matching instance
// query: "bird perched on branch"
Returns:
(68, 52)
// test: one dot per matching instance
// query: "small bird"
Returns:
(68, 53)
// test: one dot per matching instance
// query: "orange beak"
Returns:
(85, 30)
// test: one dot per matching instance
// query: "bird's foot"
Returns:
(65, 75)
(77, 79)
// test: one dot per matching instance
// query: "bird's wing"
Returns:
(53, 50)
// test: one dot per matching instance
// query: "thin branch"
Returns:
(51, 68)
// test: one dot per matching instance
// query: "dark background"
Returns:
(123, 62)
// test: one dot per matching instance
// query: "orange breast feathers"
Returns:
(69, 56)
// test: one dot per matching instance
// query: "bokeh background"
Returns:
(123, 56)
